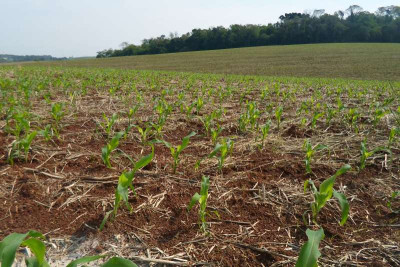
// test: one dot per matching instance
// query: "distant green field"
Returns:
(353, 61)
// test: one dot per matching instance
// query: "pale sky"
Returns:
(83, 27)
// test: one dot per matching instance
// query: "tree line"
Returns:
(5, 58)
(351, 25)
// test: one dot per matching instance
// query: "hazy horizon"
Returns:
(82, 28)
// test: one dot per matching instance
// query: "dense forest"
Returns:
(13, 58)
(351, 25)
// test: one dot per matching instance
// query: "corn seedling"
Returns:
(124, 184)
(22, 144)
(201, 199)
(199, 104)
(278, 115)
(47, 132)
(144, 133)
(207, 123)
(189, 110)
(325, 193)
(392, 198)
(309, 252)
(221, 151)
(340, 105)
(392, 136)
(243, 122)
(33, 240)
(112, 145)
(108, 123)
(252, 114)
(378, 115)
(331, 113)
(176, 151)
(317, 115)
(310, 151)
(352, 117)
(131, 113)
(57, 112)
(215, 133)
(264, 132)
(22, 124)
(159, 125)
(365, 154)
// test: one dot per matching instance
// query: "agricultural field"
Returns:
(201, 169)
(365, 61)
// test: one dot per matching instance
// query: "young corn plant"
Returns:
(221, 151)
(145, 133)
(309, 252)
(188, 109)
(199, 104)
(57, 112)
(33, 240)
(253, 114)
(378, 115)
(159, 125)
(310, 151)
(26, 142)
(131, 112)
(125, 182)
(394, 195)
(176, 151)
(243, 122)
(394, 132)
(278, 115)
(110, 147)
(352, 117)
(108, 123)
(22, 144)
(330, 114)
(47, 133)
(316, 117)
(264, 132)
(324, 194)
(207, 123)
(201, 199)
(215, 132)
(365, 154)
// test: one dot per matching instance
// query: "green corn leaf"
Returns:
(144, 161)
(342, 170)
(185, 142)
(104, 221)
(195, 199)
(167, 144)
(10, 244)
(8, 248)
(320, 147)
(205, 184)
(344, 205)
(305, 186)
(86, 259)
(309, 253)
(215, 151)
(38, 249)
(325, 191)
(33, 262)
(118, 262)
(115, 140)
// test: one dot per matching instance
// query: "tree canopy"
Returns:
(351, 25)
